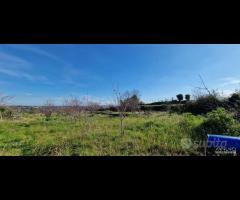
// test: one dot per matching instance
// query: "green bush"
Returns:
(6, 113)
(219, 122)
(235, 129)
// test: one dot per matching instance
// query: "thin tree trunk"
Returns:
(122, 128)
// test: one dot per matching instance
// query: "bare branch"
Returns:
(47, 109)
(4, 99)
(128, 101)
(73, 107)
(204, 85)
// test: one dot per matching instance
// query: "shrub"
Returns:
(6, 113)
(235, 129)
(73, 108)
(203, 105)
(233, 105)
(47, 110)
(2, 109)
(154, 107)
(113, 108)
(176, 108)
(234, 100)
(163, 108)
(219, 122)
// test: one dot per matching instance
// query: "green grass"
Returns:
(98, 134)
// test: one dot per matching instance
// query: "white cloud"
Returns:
(17, 67)
(70, 74)
(21, 74)
(15, 73)
(229, 81)
(13, 61)
(39, 51)
(227, 93)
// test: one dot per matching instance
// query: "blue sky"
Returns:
(33, 74)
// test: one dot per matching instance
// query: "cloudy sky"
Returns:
(33, 74)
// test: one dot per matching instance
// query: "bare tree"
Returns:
(47, 109)
(128, 101)
(4, 99)
(204, 85)
(3, 105)
(92, 106)
(121, 108)
(133, 101)
(73, 107)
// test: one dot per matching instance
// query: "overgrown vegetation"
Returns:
(6, 113)
(219, 122)
(86, 128)
(157, 134)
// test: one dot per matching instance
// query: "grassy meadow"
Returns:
(98, 134)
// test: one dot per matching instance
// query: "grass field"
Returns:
(97, 134)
